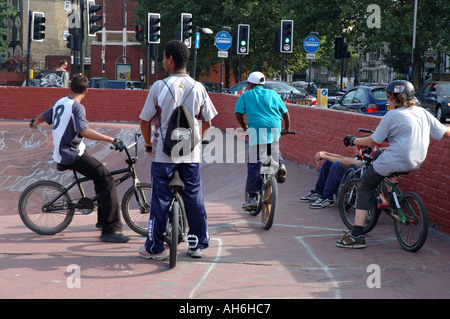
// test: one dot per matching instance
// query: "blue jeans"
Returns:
(329, 177)
(192, 195)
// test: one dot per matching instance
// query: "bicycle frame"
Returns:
(392, 199)
(128, 172)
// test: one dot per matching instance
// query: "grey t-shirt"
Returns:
(408, 131)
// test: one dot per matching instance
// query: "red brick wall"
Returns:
(317, 129)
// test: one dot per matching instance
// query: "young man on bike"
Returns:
(68, 117)
(265, 110)
(160, 104)
(408, 129)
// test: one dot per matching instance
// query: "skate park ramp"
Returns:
(296, 258)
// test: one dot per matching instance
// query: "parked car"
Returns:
(435, 97)
(211, 86)
(334, 93)
(32, 82)
(364, 99)
(287, 92)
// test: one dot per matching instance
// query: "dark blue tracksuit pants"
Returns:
(254, 179)
(162, 174)
(329, 177)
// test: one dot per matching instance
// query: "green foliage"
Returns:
(5, 12)
(330, 18)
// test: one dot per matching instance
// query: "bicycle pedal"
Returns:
(191, 241)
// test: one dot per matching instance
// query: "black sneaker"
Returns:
(322, 203)
(115, 237)
(250, 204)
(349, 241)
(311, 197)
(281, 174)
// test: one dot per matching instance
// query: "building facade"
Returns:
(112, 53)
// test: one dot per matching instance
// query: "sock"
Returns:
(357, 231)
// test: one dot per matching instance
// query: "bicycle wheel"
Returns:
(43, 219)
(412, 230)
(174, 216)
(182, 220)
(349, 173)
(269, 202)
(346, 205)
(136, 207)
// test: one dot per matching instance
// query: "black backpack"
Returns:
(180, 138)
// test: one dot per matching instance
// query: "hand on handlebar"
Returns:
(348, 140)
(117, 145)
(284, 132)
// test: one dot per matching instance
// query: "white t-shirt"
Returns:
(408, 131)
(182, 92)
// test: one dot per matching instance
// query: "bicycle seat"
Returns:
(61, 167)
(396, 174)
(176, 182)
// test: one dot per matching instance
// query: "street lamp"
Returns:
(197, 44)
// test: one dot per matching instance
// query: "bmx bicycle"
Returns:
(268, 196)
(407, 210)
(46, 207)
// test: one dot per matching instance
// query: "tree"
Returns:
(18, 64)
(330, 18)
(5, 12)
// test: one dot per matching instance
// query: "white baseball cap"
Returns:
(256, 78)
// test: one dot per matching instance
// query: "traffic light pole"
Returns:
(82, 35)
(28, 48)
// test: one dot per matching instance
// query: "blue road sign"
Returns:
(311, 44)
(223, 40)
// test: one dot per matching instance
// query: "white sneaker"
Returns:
(143, 253)
(198, 253)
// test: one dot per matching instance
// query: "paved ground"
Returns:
(297, 258)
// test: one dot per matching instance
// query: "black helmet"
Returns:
(401, 87)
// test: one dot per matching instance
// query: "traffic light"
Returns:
(154, 27)
(186, 29)
(38, 26)
(92, 18)
(287, 36)
(139, 33)
(243, 39)
(74, 42)
(338, 47)
(71, 42)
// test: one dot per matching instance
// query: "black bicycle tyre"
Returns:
(403, 232)
(182, 220)
(44, 223)
(269, 203)
(346, 206)
(174, 222)
(349, 173)
(134, 218)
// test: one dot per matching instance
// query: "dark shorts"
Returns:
(366, 189)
